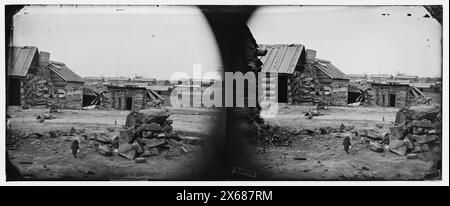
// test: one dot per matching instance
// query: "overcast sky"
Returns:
(158, 41)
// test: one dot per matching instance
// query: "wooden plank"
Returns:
(289, 54)
(419, 92)
(268, 63)
(295, 59)
(278, 59)
(19, 62)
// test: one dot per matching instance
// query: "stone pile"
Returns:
(418, 133)
(149, 134)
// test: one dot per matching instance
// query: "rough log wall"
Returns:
(70, 96)
(310, 86)
(37, 89)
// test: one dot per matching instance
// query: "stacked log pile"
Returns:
(418, 133)
(38, 89)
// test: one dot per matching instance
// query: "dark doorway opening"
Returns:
(88, 100)
(352, 97)
(14, 92)
(392, 100)
(282, 89)
(129, 103)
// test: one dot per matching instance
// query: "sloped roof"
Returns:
(331, 70)
(64, 72)
(20, 60)
(281, 58)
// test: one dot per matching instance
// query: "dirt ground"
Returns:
(325, 155)
(51, 158)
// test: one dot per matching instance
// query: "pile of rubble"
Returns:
(266, 134)
(44, 116)
(313, 112)
(418, 133)
(417, 97)
(103, 98)
(148, 134)
(152, 100)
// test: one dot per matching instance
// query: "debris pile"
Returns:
(44, 116)
(313, 112)
(152, 100)
(270, 135)
(53, 133)
(417, 97)
(149, 134)
(418, 133)
(98, 95)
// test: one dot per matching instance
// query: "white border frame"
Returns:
(445, 76)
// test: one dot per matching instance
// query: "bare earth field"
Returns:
(325, 155)
(51, 158)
